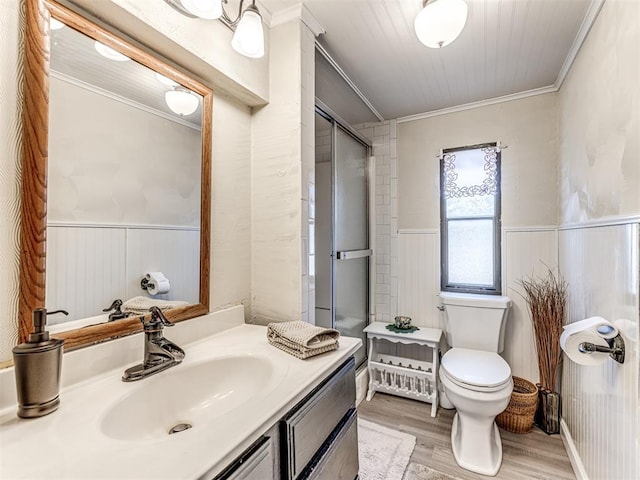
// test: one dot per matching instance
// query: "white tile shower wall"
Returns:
(526, 252)
(89, 267)
(383, 136)
(601, 404)
(11, 21)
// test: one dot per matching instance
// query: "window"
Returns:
(470, 219)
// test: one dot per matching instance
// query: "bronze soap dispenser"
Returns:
(38, 365)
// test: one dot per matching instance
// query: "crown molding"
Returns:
(297, 12)
(583, 31)
(481, 103)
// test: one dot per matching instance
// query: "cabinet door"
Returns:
(309, 424)
(338, 458)
(257, 463)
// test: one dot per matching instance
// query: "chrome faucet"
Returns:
(159, 353)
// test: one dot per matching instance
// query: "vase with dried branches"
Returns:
(546, 299)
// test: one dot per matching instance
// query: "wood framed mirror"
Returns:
(35, 170)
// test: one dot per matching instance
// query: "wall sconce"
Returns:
(181, 101)
(440, 22)
(248, 38)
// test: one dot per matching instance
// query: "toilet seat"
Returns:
(476, 370)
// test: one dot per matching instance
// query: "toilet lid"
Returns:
(474, 368)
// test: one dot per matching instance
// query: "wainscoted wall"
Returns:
(526, 252)
(599, 180)
(88, 267)
(601, 405)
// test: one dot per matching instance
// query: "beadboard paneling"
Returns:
(600, 403)
(525, 254)
(85, 270)
(526, 251)
(419, 277)
(175, 253)
(88, 267)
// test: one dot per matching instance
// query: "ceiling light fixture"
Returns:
(181, 101)
(248, 38)
(440, 22)
(110, 53)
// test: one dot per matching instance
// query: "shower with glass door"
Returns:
(342, 249)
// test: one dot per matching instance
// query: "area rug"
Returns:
(384, 453)
(415, 471)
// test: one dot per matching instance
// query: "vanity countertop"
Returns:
(78, 440)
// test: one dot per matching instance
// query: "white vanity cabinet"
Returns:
(316, 440)
(258, 462)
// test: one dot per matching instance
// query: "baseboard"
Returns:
(572, 452)
(362, 384)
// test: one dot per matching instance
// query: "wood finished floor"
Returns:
(533, 455)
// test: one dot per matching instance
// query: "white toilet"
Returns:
(475, 379)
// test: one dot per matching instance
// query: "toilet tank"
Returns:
(475, 321)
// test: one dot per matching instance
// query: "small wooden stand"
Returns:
(403, 376)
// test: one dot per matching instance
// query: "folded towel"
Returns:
(302, 339)
(141, 305)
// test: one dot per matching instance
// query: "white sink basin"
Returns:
(187, 394)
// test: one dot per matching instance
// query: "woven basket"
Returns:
(518, 416)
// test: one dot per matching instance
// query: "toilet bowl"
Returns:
(479, 386)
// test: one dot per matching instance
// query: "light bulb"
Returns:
(209, 9)
(181, 101)
(440, 22)
(110, 53)
(248, 38)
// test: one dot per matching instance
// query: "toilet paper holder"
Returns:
(146, 284)
(615, 348)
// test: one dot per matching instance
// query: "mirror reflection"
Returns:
(123, 184)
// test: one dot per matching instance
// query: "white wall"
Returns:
(599, 111)
(283, 181)
(130, 166)
(529, 208)
(528, 126)
(11, 50)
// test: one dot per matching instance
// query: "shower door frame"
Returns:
(336, 123)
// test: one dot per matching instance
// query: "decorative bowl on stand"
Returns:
(402, 322)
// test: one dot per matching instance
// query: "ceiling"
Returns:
(507, 47)
(74, 59)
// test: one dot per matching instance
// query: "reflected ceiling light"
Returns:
(165, 81)
(209, 9)
(181, 101)
(248, 39)
(110, 53)
(55, 24)
(440, 22)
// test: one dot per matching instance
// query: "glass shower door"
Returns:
(351, 238)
